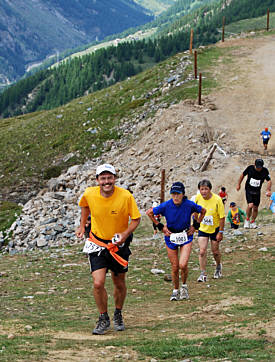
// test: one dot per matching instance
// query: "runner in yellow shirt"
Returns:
(110, 208)
(211, 227)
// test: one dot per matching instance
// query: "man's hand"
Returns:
(268, 193)
(238, 187)
(120, 238)
(219, 236)
(80, 231)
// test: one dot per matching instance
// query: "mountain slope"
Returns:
(78, 76)
(30, 31)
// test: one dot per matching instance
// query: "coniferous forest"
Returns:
(53, 87)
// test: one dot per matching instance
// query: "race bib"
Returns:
(266, 137)
(91, 247)
(179, 238)
(255, 183)
(208, 220)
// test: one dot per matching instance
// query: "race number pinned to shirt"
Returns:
(254, 183)
(179, 238)
(208, 220)
(91, 247)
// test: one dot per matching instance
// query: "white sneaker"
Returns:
(175, 295)
(253, 225)
(218, 272)
(202, 278)
(184, 292)
(246, 224)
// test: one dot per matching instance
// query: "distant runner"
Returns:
(223, 194)
(256, 175)
(235, 216)
(266, 135)
(178, 234)
(272, 203)
(211, 227)
(110, 208)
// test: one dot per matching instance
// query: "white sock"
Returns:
(175, 290)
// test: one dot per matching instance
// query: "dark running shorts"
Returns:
(253, 198)
(104, 259)
(265, 142)
(211, 236)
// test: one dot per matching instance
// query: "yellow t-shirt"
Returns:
(214, 212)
(235, 216)
(109, 215)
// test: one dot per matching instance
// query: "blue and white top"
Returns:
(178, 217)
(266, 135)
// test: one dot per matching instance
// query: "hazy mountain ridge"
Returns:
(31, 31)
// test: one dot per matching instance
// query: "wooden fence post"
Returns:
(267, 20)
(199, 97)
(162, 186)
(223, 24)
(195, 64)
(191, 41)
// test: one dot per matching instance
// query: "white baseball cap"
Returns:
(106, 167)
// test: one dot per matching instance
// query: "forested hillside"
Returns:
(30, 30)
(50, 88)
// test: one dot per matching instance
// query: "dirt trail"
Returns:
(246, 106)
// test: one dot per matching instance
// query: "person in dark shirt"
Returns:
(256, 175)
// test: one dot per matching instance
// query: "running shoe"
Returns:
(202, 278)
(184, 292)
(102, 325)
(246, 224)
(253, 225)
(218, 272)
(175, 296)
(118, 321)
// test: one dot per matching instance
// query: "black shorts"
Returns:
(253, 198)
(212, 236)
(104, 259)
(265, 142)
(234, 226)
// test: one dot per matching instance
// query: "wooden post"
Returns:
(199, 100)
(195, 64)
(223, 24)
(267, 20)
(191, 41)
(209, 157)
(162, 186)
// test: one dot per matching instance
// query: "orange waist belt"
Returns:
(112, 248)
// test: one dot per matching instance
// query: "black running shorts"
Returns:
(253, 198)
(212, 236)
(104, 259)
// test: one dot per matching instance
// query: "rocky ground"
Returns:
(176, 140)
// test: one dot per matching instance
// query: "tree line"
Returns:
(75, 77)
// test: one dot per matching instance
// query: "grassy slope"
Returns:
(43, 138)
(228, 318)
(155, 6)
